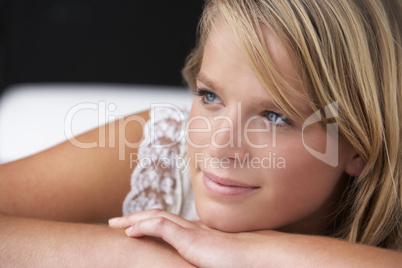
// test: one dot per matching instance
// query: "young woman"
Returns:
(310, 85)
(282, 61)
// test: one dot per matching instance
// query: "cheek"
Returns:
(306, 177)
(259, 133)
(198, 138)
(305, 185)
(306, 182)
(302, 166)
(301, 188)
(198, 130)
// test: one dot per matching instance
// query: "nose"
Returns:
(227, 136)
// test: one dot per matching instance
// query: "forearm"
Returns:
(205, 247)
(37, 243)
(281, 249)
(71, 183)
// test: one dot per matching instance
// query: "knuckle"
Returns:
(156, 212)
(161, 222)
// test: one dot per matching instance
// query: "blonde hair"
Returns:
(349, 51)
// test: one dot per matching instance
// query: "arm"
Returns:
(39, 243)
(71, 184)
(205, 247)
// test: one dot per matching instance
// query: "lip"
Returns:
(225, 186)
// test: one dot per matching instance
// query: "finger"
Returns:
(133, 218)
(201, 225)
(201, 247)
(173, 233)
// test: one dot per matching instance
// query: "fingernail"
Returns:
(112, 220)
(129, 229)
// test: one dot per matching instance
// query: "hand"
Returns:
(205, 247)
(198, 244)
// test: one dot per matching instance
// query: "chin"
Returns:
(223, 226)
(224, 222)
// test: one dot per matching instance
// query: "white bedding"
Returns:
(35, 117)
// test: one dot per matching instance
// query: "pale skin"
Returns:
(294, 200)
(41, 196)
(291, 198)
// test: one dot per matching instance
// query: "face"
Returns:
(249, 166)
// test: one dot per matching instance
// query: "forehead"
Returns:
(221, 36)
(225, 59)
(223, 49)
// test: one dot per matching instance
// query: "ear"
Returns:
(355, 166)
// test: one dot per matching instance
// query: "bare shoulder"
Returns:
(84, 179)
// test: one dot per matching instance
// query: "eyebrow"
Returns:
(208, 82)
(212, 85)
(265, 103)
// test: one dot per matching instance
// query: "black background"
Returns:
(111, 41)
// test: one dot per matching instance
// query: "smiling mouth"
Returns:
(226, 187)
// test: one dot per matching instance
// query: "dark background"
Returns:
(106, 41)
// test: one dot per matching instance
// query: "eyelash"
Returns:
(286, 120)
(202, 93)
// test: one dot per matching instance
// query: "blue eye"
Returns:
(207, 96)
(276, 118)
(210, 97)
